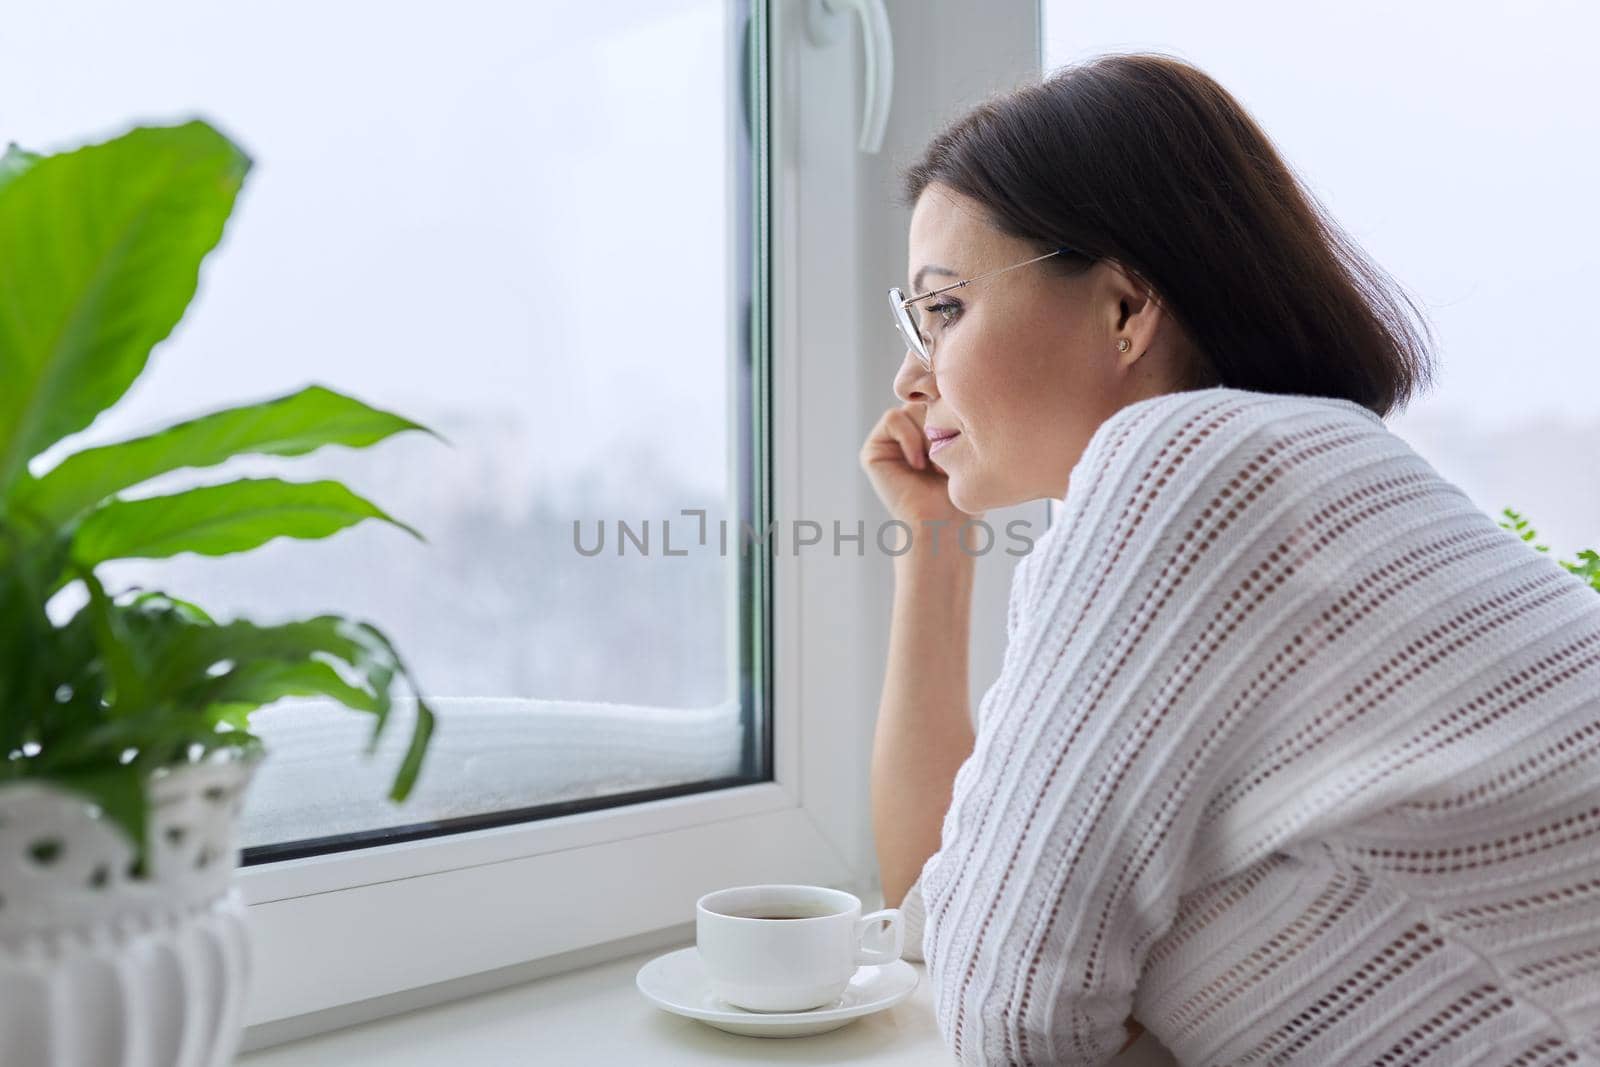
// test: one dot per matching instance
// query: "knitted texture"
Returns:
(1294, 756)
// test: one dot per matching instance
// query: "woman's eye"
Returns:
(946, 312)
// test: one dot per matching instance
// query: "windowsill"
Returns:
(597, 1017)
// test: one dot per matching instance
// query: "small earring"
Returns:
(1124, 344)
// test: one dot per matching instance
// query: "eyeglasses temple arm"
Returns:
(908, 301)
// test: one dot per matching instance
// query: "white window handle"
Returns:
(825, 21)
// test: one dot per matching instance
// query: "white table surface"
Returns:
(596, 1017)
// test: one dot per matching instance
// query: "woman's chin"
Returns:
(961, 495)
(972, 496)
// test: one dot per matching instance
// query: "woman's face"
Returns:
(1026, 364)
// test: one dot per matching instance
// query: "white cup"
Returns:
(788, 947)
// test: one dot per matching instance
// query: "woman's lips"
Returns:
(937, 439)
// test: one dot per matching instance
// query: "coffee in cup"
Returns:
(789, 947)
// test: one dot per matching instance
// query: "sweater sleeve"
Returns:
(1063, 853)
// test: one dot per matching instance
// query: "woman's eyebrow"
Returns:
(916, 282)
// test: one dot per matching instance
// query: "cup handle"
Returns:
(897, 934)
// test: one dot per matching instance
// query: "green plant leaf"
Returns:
(236, 716)
(1587, 567)
(289, 425)
(411, 765)
(246, 647)
(23, 631)
(180, 656)
(14, 162)
(1519, 525)
(263, 681)
(217, 520)
(182, 608)
(105, 623)
(100, 252)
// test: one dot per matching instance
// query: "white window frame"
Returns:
(334, 935)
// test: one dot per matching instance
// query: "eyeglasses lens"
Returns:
(907, 326)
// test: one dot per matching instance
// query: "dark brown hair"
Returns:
(1144, 159)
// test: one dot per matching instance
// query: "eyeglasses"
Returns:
(901, 306)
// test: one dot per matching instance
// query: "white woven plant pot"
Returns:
(101, 970)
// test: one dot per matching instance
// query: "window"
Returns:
(425, 230)
(1458, 148)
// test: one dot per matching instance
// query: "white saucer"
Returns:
(677, 983)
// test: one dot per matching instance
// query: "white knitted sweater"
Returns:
(1294, 757)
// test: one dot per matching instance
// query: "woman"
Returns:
(1295, 754)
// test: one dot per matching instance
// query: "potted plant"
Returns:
(125, 743)
(1586, 566)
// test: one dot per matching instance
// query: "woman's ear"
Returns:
(1132, 311)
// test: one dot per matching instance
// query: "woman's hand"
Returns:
(895, 457)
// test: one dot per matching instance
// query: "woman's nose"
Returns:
(913, 381)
